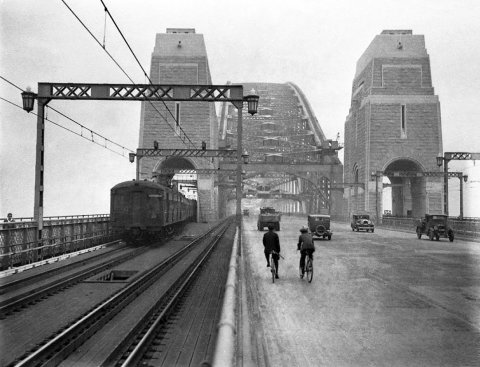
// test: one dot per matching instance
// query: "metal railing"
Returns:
(465, 228)
(468, 228)
(60, 235)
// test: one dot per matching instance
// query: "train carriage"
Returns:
(148, 210)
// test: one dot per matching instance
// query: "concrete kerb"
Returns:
(225, 344)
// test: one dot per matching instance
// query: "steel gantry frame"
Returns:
(196, 153)
(447, 157)
(376, 175)
(131, 92)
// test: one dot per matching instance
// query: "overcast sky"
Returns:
(313, 43)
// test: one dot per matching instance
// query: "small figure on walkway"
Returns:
(9, 221)
(306, 247)
(271, 242)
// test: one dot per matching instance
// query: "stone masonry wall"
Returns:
(180, 58)
(393, 72)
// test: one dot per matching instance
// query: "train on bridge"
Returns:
(144, 210)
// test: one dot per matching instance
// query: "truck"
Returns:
(268, 215)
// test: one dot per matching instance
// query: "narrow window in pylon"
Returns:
(177, 113)
(404, 122)
(177, 117)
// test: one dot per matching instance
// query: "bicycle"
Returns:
(307, 268)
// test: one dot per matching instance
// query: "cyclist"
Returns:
(271, 242)
(306, 247)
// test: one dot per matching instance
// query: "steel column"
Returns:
(39, 167)
(239, 175)
(461, 197)
(445, 186)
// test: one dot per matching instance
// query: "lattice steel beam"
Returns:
(186, 181)
(420, 174)
(461, 156)
(229, 153)
(142, 92)
(206, 171)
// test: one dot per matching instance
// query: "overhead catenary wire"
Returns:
(79, 134)
(143, 70)
(67, 117)
(173, 128)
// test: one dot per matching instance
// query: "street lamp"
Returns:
(252, 102)
(28, 98)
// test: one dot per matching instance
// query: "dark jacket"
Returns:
(271, 242)
(305, 242)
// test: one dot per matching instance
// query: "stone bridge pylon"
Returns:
(180, 57)
(394, 127)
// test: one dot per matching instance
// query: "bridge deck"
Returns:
(376, 299)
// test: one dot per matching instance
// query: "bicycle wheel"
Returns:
(309, 270)
(273, 269)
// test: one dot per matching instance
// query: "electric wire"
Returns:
(76, 133)
(67, 117)
(129, 78)
(99, 43)
(141, 67)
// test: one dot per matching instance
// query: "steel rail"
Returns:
(135, 355)
(18, 302)
(57, 347)
(48, 273)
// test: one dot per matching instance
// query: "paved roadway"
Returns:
(377, 299)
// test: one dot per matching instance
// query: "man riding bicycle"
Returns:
(271, 242)
(306, 247)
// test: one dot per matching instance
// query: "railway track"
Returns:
(7, 285)
(56, 349)
(182, 331)
(19, 295)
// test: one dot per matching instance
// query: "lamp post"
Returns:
(252, 107)
(443, 160)
(375, 176)
(463, 179)
(28, 99)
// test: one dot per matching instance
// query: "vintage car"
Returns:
(434, 226)
(319, 226)
(362, 222)
(267, 216)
